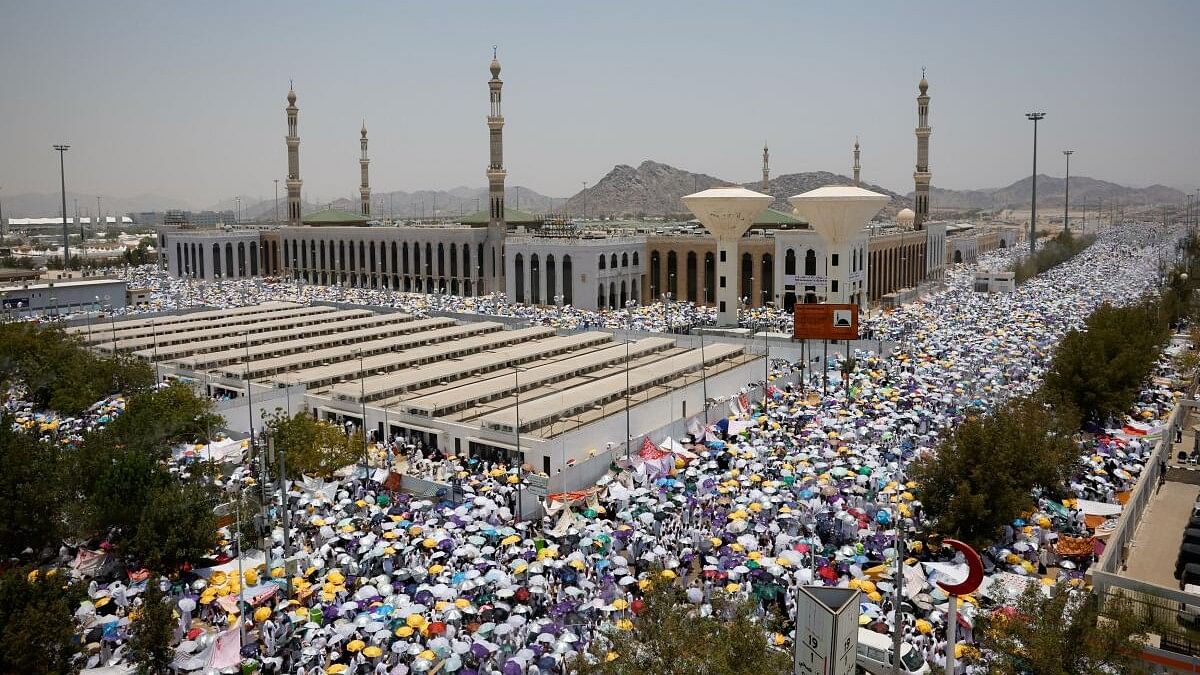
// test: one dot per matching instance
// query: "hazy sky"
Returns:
(186, 99)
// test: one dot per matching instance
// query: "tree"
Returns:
(313, 447)
(178, 525)
(58, 373)
(982, 475)
(32, 491)
(669, 637)
(1072, 632)
(37, 622)
(1100, 370)
(152, 633)
(157, 419)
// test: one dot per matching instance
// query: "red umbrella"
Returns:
(638, 606)
(828, 573)
(522, 594)
(437, 628)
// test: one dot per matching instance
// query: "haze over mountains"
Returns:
(651, 189)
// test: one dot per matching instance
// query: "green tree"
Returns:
(152, 633)
(58, 373)
(178, 525)
(313, 447)
(155, 420)
(37, 623)
(1100, 370)
(982, 475)
(32, 491)
(670, 638)
(1072, 632)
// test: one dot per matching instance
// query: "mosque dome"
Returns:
(906, 218)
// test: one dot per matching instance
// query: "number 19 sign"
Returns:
(826, 631)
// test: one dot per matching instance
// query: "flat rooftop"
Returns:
(429, 368)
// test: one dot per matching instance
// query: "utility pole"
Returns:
(62, 174)
(1034, 117)
(1067, 193)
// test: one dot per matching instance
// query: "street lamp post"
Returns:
(1067, 192)
(629, 305)
(362, 398)
(62, 175)
(1034, 117)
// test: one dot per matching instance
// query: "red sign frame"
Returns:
(825, 322)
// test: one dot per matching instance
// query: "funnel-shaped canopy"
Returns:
(727, 212)
(840, 212)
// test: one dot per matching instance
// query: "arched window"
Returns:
(362, 256)
(613, 263)
(789, 262)
(671, 269)
(567, 280)
(600, 296)
(710, 277)
(602, 261)
(767, 277)
(624, 261)
(453, 260)
(428, 260)
(441, 268)
(612, 294)
(746, 288)
(551, 278)
(200, 249)
(404, 257)
(635, 258)
(654, 272)
(479, 260)
(229, 258)
(633, 291)
(253, 258)
(535, 279)
(395, 267)
(466, 248)
(519, 270)
(241, 249)
(216, 254)
(810, 263)
(691, 276)
(624, 294)
(178, 259)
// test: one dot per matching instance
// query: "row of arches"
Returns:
(610, 261)
(547, 279)
(427, 267)
(228, 260)
(894, 268)
(756, 276)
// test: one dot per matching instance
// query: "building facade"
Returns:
(211, 254)
(588, 273)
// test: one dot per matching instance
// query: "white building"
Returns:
(584, 272)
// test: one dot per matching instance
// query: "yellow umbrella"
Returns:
(372, 652)
(924, 627)
(415, 620)
(666, 574)
(620, 603)
(404, 631)
(356, 646)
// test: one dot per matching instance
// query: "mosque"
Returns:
(500, 250)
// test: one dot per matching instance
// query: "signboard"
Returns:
(826, 631)
(825, 322)
(805, 280)
(537, 484)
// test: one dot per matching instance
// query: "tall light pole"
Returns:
(62, 175)
(1034, 117)
(1067, 192)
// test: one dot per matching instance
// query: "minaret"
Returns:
(364, 190)
(766, 170)
(857, 166)
(293, 147)
(497, 228)
(922, 175)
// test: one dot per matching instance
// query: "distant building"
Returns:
(561, 268)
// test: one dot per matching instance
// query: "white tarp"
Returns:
(1098, 508)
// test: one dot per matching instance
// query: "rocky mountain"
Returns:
(1084, 190)
(651, 188)
(41, 205)
(787, 185)
(655, 189)
(420, 203)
